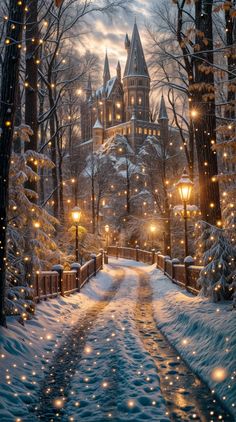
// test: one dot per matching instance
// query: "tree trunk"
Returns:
(205, 122)
(31, 80)
(18, 121)
(10, 71)
(53, 155)
(231, 57)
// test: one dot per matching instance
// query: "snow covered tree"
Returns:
(10, 70)
(219, 261)
(26, 254)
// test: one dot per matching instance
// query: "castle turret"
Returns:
(98, 133)
(106, 71)
(136, 79)
(127, 43)
(163, 121)
(118, 71)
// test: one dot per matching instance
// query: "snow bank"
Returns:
(25, 350)
(204, 334)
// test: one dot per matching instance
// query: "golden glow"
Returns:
(219, 374)
(76, 214)
(152, 228)
(194, 113)
(107, 228)
(185, 186)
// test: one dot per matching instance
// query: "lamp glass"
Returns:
(185, 186)
(185, 192)
(76, 214)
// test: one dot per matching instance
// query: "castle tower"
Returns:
(136, 80)
(106, 71)
(98, 132)
(118, 71)
(163, 121)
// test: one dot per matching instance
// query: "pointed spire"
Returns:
(136, 63)
(89, 88)
(162, 112)
(98, 124)
(106, 71)
(118, 71)
(127, 43)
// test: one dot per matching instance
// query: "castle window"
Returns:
(145, 131)
(110, 117)
(140, 100)
(154, 132)
(118, 105)
(132, 100)
(140, 130)
(140, 82)
(132, 82)
(129, 131)
(150, 132)
(158, 132)
(118, 117)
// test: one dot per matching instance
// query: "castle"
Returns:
(121, 105)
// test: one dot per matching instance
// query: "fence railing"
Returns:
(49, 284)
(185, 275)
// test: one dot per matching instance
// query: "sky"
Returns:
(109, 33)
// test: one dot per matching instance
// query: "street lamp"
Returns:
(107, 228)
(185, 186)
(76, 215)
(152, 230)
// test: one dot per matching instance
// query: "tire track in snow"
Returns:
(55, 387)
(187, 397)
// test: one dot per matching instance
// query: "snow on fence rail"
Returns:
(49, 284)
(185, 275)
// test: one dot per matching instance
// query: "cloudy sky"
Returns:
(109, 33)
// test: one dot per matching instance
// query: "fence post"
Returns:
(173, 262)
(137, 257)
(158, 253)
(188, 261)
(153, 256)
(76, 266)
(166, 258)
(102, 252)
(94, 257)
(37, 285)
(59, 269)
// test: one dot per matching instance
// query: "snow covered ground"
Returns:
(203, 333)
(26, 350)
(115, 377)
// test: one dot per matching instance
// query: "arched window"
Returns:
(140, 100)
(132, 100)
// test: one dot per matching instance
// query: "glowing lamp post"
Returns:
(76, 215)
(107, 228)
(185, 186)
(152, 230)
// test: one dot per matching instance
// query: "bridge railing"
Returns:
(49, 284)
(185, 275)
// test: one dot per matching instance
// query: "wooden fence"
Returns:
(49, 284)
(185, 275)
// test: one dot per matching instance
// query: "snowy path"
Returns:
(116, 365)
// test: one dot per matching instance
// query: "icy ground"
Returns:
(97, 355)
